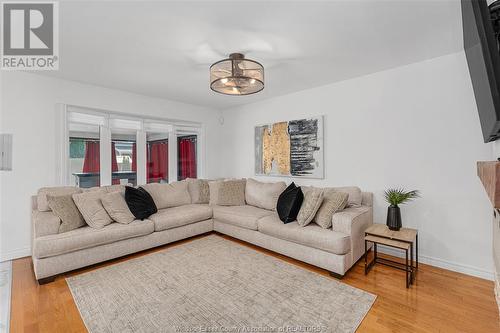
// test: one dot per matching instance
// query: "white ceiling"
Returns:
(164, 49)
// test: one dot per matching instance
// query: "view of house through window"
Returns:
(187, 156)
(124, 158)
(108, 148)
(84, 150)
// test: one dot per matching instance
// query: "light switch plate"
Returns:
(6, 152)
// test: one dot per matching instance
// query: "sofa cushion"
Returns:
(90, 205)
(82, 238)
(140, 202)
(42, 202)
(117, 207)
(198, 190)
(114, 188)
(178, 216)
(355, 195)
(227, 192)
(311, 235)
(355, 198)
(263, 195)
(64, 207)
(289, 203)
(106, 188)
(332, 203)
(312, 201)
(241, 216)
(169, 195)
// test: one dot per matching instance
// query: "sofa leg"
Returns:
(336, 275)
(46, 280)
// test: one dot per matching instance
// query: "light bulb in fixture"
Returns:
(224, 80)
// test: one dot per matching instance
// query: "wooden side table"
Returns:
(404, 239)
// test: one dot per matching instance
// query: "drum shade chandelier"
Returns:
(237, 76)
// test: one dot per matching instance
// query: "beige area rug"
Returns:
(215, 285)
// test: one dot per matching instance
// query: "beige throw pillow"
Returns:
(312, 201)
(169, 195)
(42, 203)
(263, 195)
(227, 192)
(117, 207)
(332, 203)
(107, 188)
(355, 195)
(64, 207)
(90, 205)
(199, 190)
(114, 188)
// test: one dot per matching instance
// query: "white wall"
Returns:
(28, 112)
(414, 126)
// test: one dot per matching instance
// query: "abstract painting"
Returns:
(290, 148)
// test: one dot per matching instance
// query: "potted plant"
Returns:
(395, 197)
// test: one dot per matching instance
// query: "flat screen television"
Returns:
(483, 59)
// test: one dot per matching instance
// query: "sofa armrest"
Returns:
(353, 222)
(344, 220)
(44, 223)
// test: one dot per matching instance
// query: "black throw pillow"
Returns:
(140, 202)
(289, 203)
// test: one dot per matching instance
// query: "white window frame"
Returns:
(109, 120)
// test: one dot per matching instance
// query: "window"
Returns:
(124, 158)
(84, 155)
(157, 158)
(187, 156)
(102, 148)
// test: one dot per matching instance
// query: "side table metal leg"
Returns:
(416, 249)
(412, 274)
(366, 258)
(406, 269)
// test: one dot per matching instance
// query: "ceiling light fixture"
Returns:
(237, 76)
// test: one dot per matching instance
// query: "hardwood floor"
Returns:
(440, 300)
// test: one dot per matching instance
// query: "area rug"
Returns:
(212, 284)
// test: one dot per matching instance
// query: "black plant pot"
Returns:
(394, 218)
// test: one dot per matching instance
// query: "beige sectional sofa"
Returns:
(335, 249)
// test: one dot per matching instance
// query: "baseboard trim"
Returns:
(14, 254)
(445, 264)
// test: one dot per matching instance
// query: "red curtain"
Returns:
(134, 157)
(157, 161)
(114, 163)
(187, 158)
(91, 160)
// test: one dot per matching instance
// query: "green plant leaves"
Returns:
(398, 196)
